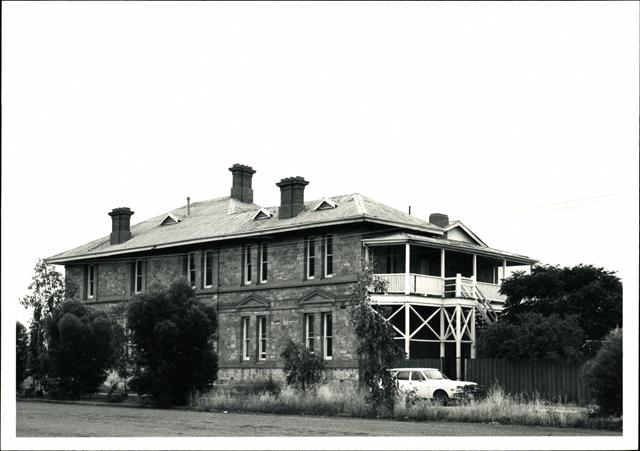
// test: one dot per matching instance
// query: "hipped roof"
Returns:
(226, 218)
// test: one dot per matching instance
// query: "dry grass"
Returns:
(333, 399)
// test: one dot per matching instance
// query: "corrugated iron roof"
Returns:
(226, 218)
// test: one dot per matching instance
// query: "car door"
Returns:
(419, 383)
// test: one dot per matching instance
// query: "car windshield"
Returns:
(435, 374)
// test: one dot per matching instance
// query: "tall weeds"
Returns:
(347, 399)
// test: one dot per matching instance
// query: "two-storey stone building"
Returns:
(287, 272)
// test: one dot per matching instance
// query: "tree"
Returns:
(80, 349)
(603, 374)
(22, 353)
(592, 294)
(304, 369)
(47, 291)
(533, 336)
(171, 334)
(377, 348)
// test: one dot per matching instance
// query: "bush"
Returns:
(603, 375)
(22, 354)
(533, 336)
(79, 351)
(171, 335)
(304, 369)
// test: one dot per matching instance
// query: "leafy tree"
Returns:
(22, 353)
(47, 291)
(603, 374)
(304, 369)
(80, 349)
(377, 348)
(533, 336)
(591, 293)
(123, 360)
(171, 334)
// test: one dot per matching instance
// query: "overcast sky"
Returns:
(520, 119)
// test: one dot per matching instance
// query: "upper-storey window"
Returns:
(208, 269)
(328, 256)
(91, 281)
(264, 263)
(247, 264)
(191, 269)
(139, 276)
(311, 257)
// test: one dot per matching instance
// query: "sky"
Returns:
(520, 119)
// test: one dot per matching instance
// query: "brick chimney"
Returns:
(120, 225)
(241, 188)
(439, 219)
(291, 196)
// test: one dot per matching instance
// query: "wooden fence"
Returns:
(547, 380)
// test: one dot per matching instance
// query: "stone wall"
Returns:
(284, 298)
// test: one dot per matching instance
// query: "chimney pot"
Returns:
(291, 196)
(120, 225)
(241, 186)
(439, 219)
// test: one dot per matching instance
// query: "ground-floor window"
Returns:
(327, 332)
(245, 338)
(309, 334)
(262, 337)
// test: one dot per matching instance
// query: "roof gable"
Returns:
(169, 219)
(457, 231)
(325, 204)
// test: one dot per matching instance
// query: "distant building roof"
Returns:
(226, 218)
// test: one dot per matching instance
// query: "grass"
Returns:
(347, 399)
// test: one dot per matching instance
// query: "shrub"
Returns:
(80, 348)
(533, 336)
(171, 335)
(304, 369)
(377, 347)
(22, 353)
(603, 374)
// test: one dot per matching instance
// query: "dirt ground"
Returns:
(46, 419)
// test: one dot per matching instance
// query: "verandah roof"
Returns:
(441, 243)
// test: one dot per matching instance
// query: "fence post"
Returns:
(458, 285)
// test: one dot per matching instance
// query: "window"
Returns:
(247, 264)
(417, 376)
(245, 338)
(208, 269)
(328, 256)
(264, 265)
(309, 336)
(262, 337)
(402, 376)
(327, 332)
(138, 278)
(311, 258)
(91, 281)
(191, 269)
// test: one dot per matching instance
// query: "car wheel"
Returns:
(441, 397)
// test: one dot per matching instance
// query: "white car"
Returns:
(430, 383)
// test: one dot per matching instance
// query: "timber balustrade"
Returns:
(458, 287)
